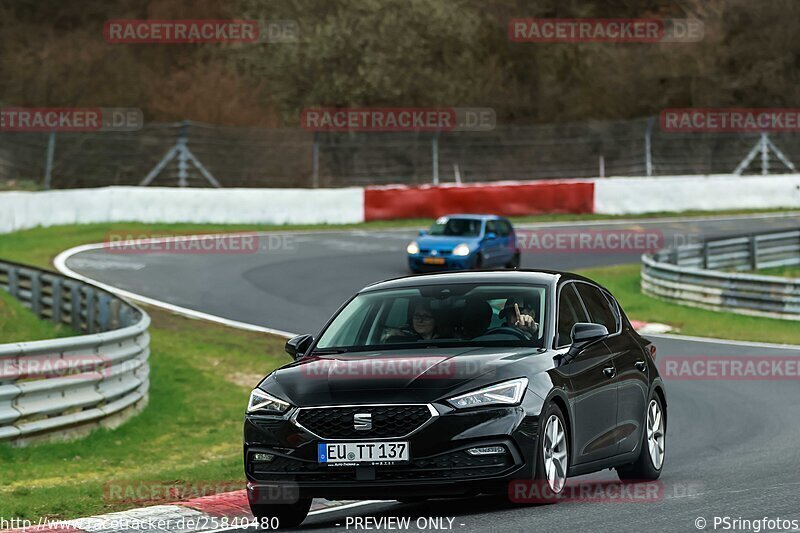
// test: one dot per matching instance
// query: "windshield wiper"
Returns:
(329, 351)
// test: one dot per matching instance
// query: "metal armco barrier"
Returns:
(108, 375)
(702, 275)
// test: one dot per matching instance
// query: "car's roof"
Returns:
(540, 277)
(482, 216)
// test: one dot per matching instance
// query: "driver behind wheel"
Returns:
(518, 314)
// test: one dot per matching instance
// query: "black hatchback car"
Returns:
(456, 384)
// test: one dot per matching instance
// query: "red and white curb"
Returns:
(650, 327)
(219, 512)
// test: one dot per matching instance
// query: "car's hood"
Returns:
(443, 242)
(394, 376)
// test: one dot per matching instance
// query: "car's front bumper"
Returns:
(417, 262)
(439, 465)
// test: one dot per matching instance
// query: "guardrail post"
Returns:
(104, 301)
(55, 313)
(674, 255)
(75, 313)
(36, 294)
(705, 256)
(91, 308)
(13, 282)
(753, 253)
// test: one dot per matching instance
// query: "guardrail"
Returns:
(65, 387)
(702, 275)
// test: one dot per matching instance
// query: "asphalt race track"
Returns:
(733, 447)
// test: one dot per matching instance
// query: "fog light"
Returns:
(262, 457)
(487, 450)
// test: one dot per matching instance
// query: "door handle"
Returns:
(640, 365)
(610, 371)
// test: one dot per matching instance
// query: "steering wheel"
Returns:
(509, 330)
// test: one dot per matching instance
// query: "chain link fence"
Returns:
(256, 157)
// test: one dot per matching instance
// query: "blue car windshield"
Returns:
(456, 227)
(451, 315)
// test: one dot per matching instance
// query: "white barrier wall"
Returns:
(22, 210)
(619, 196)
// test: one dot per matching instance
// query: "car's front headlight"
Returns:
(413, 248)
(462, 249)
(506, 393)
(263, 403)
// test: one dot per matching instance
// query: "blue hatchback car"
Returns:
(457, 242)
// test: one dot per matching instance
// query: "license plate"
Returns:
(362, 452)
(433, 260)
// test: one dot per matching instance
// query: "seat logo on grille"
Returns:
(362, 421)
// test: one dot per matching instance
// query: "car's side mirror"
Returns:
(585, 333)
(422, 232)
(491, 235)
(297, 346)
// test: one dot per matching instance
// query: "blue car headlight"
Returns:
(461, 250)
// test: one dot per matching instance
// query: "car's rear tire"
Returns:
(288, 515)
(515, 261)
(552, 455)
(650, 462)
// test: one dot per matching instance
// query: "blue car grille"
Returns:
(427, 251)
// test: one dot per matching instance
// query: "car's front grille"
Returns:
(453, 465)
(388, 421)
(426, 251)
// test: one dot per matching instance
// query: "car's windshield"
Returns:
(442, 315)
(456, 227)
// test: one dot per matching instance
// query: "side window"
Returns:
(615, 310)
(570, 311)
(599, 309)
(491, 227)
(504, 228)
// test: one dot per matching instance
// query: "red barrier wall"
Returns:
(508, 199)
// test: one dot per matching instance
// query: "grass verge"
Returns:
(623, 281)
(18, 322)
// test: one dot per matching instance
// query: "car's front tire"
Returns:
(515, 261)
(552, 457)
(288, 515)
(653, 451)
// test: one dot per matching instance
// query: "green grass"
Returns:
(623, 282)
(190, 432)
(19, 323)
(783, 272)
